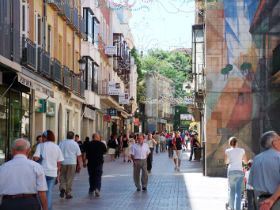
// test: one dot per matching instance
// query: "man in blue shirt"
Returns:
(265, 172)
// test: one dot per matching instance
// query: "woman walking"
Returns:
(234, 156)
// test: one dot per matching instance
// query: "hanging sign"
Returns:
(123, 98)
(136, 121)
(114, 88)
(107, 118)
(111, 50)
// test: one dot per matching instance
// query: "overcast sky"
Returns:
(163, 24)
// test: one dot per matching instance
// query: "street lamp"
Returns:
(131, 101)
(82, 64)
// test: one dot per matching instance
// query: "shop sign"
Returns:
(107, 118)
(111, 50)
(89, 113)
(114, 88)
(40, 105)
(186, 117)
(123, 98)
(112, 112)
(51, 109)
(136, 121)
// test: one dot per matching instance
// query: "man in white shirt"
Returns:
(71, 151)
(139, 153)
(22, 180)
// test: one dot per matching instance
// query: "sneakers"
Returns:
(90, 192)
(144, 188)
(138, 189)
(62, 192)
(97, 193)
(178, 169)
(175, 168)
(69, 196)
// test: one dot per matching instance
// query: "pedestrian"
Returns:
(249, 188)
(71, 152)
(157, 138)
(93, 160)
(112, 144)
(39, 140)
(170, 145)
(131, 142)
(162, 142)
(234, 157)
(264, 174)
(139, 153)
(177, 150)
(151, 142)
(194, 145)
(51, 158)
(22, 180)
(79, 142)
(118, 146)
(124, 146)
(86, 142)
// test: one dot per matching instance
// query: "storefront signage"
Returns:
(112, 112)
(111, 50)
(186, 117)
(123, 98)
(107, 118)
(51, 109)
(189, 100)
(89, 113)
(136, 121)
(40, 105)
(114, 88)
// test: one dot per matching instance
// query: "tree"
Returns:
(225, 71)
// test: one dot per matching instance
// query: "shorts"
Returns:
(179, 156)
(111, 151)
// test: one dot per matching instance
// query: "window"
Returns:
(60, 48)
(38, 29)
(92, 75)
(76, 67)
(24, 19)
(49, 45)
(69, 56)
(91, 27)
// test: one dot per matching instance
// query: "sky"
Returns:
(162, 24)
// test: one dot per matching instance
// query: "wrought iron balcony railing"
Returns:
(82, 88)
(56, 71)
(82, 27)
(29, 56)
(67, 77)
(44, 62)
(76, 88)
(65, 11)
(75, 19)
(55, 4)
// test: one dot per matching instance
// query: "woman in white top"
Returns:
(234, 157)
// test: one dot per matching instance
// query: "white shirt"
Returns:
(22, 176)
(51, 155)
(150, 142)
(140, 152)
(235, 156)
(70, 150)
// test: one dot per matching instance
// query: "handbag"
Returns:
(41, 153)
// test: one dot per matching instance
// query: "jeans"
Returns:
(50, 183)
(235, 179)
(157, 146)
(95, 174)
(150, 160)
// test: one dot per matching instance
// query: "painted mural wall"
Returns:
(242, 74)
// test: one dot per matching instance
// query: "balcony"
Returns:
(82, 27)
(65, 11)
(76, 82)
(103, 87)
(55, 4)
(82, 88)
(29, 57)
(44, 63)
(74, 23)
(67, 77)
(56, 71)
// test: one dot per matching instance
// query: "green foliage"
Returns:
(225, 71)
(246, 66)
(175, 66)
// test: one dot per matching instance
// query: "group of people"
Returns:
(47, 165)
(262, 175)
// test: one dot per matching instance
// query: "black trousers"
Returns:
(95, 174)
(22, 203)
(150, 160)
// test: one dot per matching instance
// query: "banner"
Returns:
(123, 98)
(111, 50)
(136, 121)
(114, 88)
(186, 117)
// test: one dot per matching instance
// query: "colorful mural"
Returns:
(243, 75)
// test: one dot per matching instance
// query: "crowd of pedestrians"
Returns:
(46, 164)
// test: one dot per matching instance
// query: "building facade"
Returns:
(241, 73)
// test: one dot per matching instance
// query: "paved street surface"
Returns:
(167, 189)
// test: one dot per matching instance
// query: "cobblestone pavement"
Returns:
(167, 189)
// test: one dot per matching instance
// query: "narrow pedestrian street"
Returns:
(167, 189)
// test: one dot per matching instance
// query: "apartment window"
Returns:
(38, 29)
(60, 48)
(76, 68)
(24, 19)
(49, 45)
(92, 75)
(91, 27)
(69, 57)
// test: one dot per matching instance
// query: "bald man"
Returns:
(22, 180)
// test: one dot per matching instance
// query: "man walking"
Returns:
(151, 142)
(22, 180)
(139, 153)
(71, 151)
(264, 174)
(93, 159)
(157, 138)
(177, 152)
